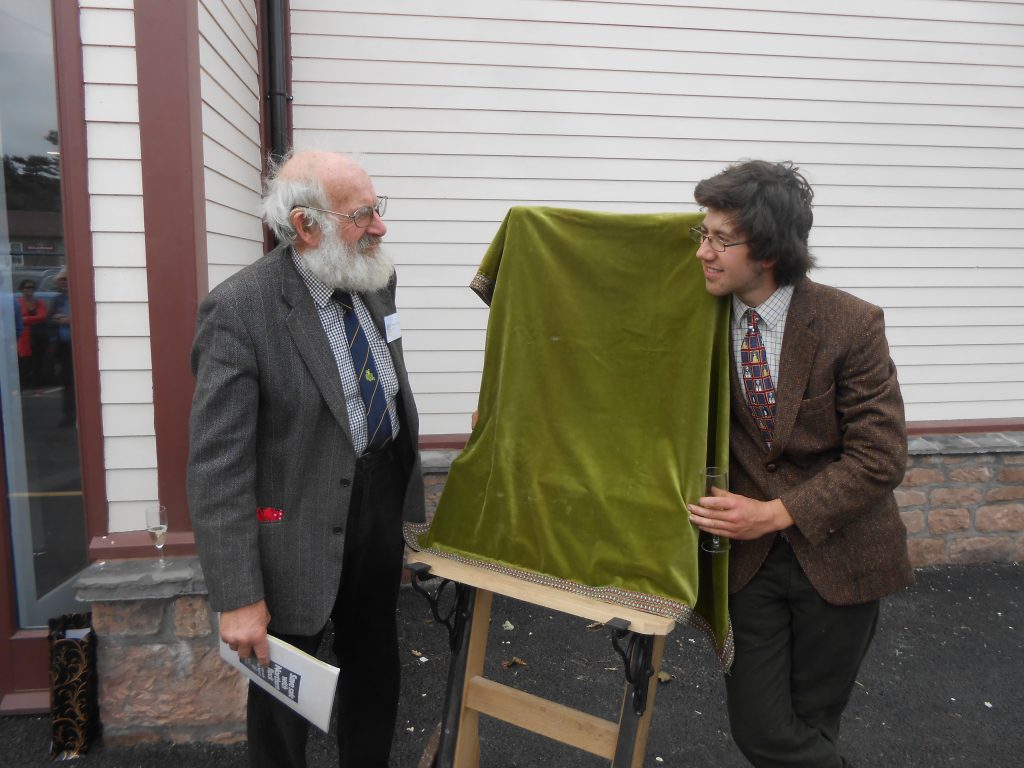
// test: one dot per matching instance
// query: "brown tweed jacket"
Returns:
(840, 450)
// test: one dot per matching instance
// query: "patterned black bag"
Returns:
(74, 695)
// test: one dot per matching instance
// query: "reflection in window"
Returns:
(40, 446)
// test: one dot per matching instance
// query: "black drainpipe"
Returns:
(278, 98)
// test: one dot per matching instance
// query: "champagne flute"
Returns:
(715, 477)
(156, 524)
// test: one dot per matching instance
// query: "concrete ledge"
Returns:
(115, 580)
(987, 442)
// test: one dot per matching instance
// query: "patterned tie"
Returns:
(757, 379)
(378, 422)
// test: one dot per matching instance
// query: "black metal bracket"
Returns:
(637, 659)
(452, 619)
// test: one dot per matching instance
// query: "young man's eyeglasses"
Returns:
(361, 217)
(717, 245)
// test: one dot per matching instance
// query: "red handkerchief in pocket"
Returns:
(269, 514)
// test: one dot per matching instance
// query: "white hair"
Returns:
(282, 196)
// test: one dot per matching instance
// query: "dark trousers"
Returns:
(796, 661)
(365, 635)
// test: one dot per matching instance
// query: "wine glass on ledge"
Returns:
(156, 525)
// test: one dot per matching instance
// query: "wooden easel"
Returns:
(470, 694)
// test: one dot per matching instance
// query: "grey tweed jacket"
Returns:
(269, 430)
(840, 450)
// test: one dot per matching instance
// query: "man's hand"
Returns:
(245, 630)
(738, 517)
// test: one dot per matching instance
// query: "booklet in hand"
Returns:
(298, 680)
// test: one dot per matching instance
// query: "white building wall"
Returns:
(119, 259)
(907, 116)
(229, 85)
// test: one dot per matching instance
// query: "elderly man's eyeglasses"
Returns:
(699, 236)
(361, 217)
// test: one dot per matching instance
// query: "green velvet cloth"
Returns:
(605, 392)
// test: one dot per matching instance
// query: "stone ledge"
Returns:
(985, 442)
(116, 580)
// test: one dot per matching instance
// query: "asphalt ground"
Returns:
(943, 685)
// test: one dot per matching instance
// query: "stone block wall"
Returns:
(962, 499)
(161, 677)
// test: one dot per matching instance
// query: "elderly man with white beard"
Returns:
(303, 457)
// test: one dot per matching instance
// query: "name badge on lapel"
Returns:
(392, 329)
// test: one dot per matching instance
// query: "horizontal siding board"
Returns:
(121, 284)
(939, 410)
(323, 58)
(916, 277)
(115, 27)
(453, 361)
(131, 484)
(952, 334)
(119, 249)
(666, 93)
(802, 118)
(122, 319)
(109, 65)
(129, 452)
(111, 103)
(935, 315)
(662, 27)
(218, 157)
(126, 386)
(978, 45)
(113, 141)
(218, 273)
(440, 318)
(228, 192)
(978, 392)
(116, 213)
(454, 338)
(467, 155)
(234, 23)
(239, 62)
(918, 258)
(225, 93)
(223, 132)
(778, 16)
(939, 297)
(127, 419)
(115, 177)
(125, 353)
(236, 251)
(444, 382)
(233, 223)
(688, 137)
(444, 424)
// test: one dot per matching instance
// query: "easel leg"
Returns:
(459, 745)
(467, 743)
(633, 728)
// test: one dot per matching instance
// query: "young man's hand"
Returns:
(739, 517)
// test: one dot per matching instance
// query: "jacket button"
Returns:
(339, 529)
(772, 466)
(345, 482)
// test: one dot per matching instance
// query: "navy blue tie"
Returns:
(378, 422)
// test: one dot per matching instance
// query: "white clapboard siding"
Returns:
(907, 116)
(229, 85)
(119, 256)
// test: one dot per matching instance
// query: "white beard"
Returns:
(362, 267)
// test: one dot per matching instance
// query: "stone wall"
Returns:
(161, 677)
(962, 499)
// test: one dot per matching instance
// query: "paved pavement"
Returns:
(943, 685)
